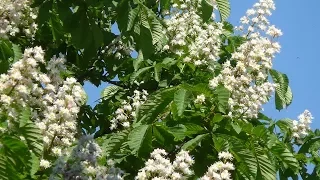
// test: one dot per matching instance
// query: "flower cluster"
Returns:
(200, 99)
(54, 101)
(248, 79)
(220, 170)
(82, 163)
(300, 128)
(159, 167)
(125, 114)
(190, 38)
(17, 16)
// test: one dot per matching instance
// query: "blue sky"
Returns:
(299, 23)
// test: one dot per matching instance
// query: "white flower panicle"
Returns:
(200, 99)
(82, 163)
(159, 167)
(300, 128)
(125, 114)
(54, 102)
(248, 80)
(191, 39)
(17, 16)
(44, 164)
(220, 170)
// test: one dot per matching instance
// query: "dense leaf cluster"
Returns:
(133, 59)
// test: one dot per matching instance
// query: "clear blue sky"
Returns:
(299, 21)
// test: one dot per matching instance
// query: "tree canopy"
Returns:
(184, 101)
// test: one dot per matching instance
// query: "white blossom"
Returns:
(200, 99)
(125, 114)
(159, 167)
(83, 162)
(247, 81)
(191, 39)
(17, 16)
(54, 106)
(44, 163)
(300, 128)
(220, 170)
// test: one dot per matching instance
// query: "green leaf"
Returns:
(111, 143)
(181, 131)
(306, 145)
(267, 169)
(199, 88)
(220, 144)
(191, 144)
(138, 73)
(33, 136)
(165, 5)
(110, 91)
(6, 52)
(30, 132)
(207, 9)
(17, 52)
(162, 135)
(217, 118)
(182, 98)
(283, 97)
(7, 171)
(224, 9)
(155, 105)
(24, 117)
(222, 95)
(34, 164)
(236, 127)
(254, 163)
(133, 14)
(247, 159)
(140, 140)
(285, 125)
(14, 157)
(157, 72)
(145, 36)
(137, 61)
(285, 156)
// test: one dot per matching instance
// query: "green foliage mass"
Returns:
(169, 119)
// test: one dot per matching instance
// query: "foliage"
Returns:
(139, 56)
